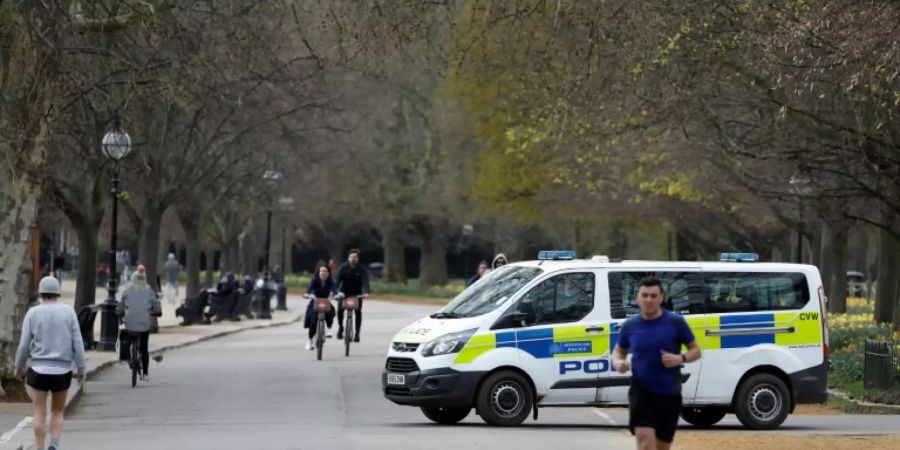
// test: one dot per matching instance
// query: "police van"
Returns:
(539, 334)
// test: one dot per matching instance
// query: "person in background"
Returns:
(172, 270)
(52, 339)
(482, 270)
(499, 261)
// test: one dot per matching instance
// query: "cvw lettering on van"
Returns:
(591, 366)
(809, 316)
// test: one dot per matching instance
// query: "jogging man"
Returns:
(654, 338)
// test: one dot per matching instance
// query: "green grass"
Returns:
(411, 289)
(849, 333)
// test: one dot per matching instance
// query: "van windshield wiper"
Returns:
(447, 315)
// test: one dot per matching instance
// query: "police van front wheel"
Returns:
(763, 402)
(505, 399)
(445, 416)
(703, 416)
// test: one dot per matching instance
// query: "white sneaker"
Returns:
(328, 333)
(309, 344)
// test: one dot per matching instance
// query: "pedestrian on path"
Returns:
(173, 270)
(52, 339)
(654, 338)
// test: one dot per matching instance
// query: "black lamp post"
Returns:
(800, 186)
(265, 308)
(116, 146)
(287, 204)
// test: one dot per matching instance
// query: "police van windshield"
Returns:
(488, 293)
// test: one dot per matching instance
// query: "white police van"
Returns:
(539, 334)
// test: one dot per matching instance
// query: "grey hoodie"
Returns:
(138, 303)
(499, 256)
(51, 336)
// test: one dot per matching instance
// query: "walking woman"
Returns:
(52, 339)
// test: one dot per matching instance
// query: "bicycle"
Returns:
(322, 308)
(134, 361)
(350, 305)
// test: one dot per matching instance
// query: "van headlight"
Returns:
(448, 343)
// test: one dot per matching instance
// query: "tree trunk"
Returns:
(88, 245)
(148, 242)
(249, 254)
(897, 315)
(433, 267)
(231, 256)
(17, 216)
(888, 266)
(192, 246)
(618, 241)
(394, 242)
(210, 267)
(838, 292)
(336, 250)
(813, 244)
(29, 85)
(682, 245)
(825, 264)
(872, 254)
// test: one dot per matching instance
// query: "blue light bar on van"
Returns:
(740, 257)
(556, 254)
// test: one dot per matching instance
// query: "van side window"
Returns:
(754, 291)
(683, 292)
(564, 298)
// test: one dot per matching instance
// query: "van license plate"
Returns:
(395, 378)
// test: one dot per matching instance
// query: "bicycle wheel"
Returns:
(135, 363)
(348, 335)
(320, 338)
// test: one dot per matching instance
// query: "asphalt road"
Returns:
(260, 390)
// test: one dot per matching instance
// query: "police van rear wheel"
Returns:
(505, 399)
(703, 416)
(763, 402)
(445, 416)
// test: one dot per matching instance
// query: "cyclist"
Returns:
(351, 280)
(321, 286)
(139, 302)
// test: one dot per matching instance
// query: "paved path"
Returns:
(259, 389)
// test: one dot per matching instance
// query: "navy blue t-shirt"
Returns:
(645, 339)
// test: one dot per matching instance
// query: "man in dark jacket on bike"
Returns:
(352, 280)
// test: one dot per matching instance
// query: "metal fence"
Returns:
(882, 365)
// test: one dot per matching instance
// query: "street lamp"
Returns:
(271, 178)
(800, 186)
(116, 145)
(287, 205)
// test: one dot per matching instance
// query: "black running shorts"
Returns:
(651, 410)
(52, 383)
